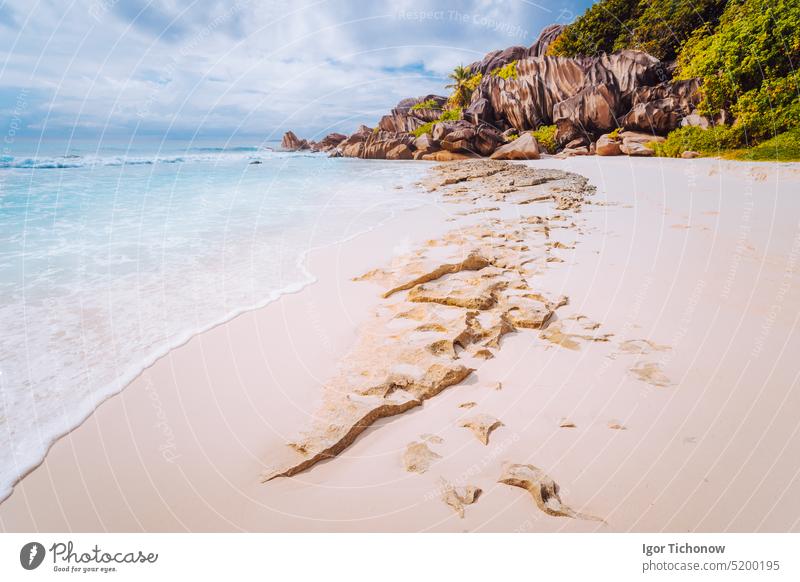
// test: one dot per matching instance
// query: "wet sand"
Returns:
(660, 396)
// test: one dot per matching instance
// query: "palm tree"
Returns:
(460, 76)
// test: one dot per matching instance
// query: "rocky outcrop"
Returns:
(292, 143)
(525, 147)
(544, 82)
(585, 98)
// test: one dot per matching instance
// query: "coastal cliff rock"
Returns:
(588, 92)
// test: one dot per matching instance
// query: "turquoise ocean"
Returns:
(113, 254)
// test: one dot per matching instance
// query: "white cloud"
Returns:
(257, 66)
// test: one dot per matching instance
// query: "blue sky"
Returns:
(117, 67)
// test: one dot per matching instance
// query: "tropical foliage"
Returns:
(546, 136)
(748, 65)
(746, 52)
(427, 104)
(508, 71)
(450, 114)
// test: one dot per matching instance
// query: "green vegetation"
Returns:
(428, 104)
(508, 71)
(512, 136)
(746, 65)
(546, 136)
(464, 83)
(713, 141)
(597, 30)
(659, 27)
(423, 129)
(726, 141)
(744, 51)
(781, 148)
(450, 114)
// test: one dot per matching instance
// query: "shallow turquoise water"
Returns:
(110, 258)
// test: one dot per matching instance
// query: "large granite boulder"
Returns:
(400, 152)
(608, 145)
(463, 136)
(353, 145)
(292, 143)
(660, 108)
(379, 144)
(426, 144)
(638, 144)
(525, 147)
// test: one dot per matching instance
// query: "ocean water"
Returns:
(111, 256)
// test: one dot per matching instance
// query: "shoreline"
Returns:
(136, 369)
(338, 332)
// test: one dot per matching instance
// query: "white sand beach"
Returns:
(662, 397)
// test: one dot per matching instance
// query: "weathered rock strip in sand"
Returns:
(543, 489)
(446, 308)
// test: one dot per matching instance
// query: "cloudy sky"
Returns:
(246, 67)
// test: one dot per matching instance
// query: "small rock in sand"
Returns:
(418, 457)
(468, 405)
(458, 497)
(641, 346)
(565, 423)
(543, 489)
(651, 373)
(616, 425)
(482, 425)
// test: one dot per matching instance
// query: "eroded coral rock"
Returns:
(459, 497)
(418, 457)
(543, 489)
(651, 373)
(482, 426)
